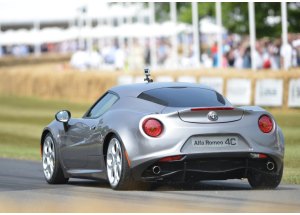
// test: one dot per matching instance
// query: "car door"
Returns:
(82, 142)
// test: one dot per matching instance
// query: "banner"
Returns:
(238, 91)
(294, 93)
(268, 92)
(215, 83)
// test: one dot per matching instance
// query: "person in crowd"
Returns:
(147, 54)
(119, 57)
(286, 54)
(136, 56)
(247, 58)
(274, 50)
(214, 53)
(1, 51)
(163, 51)
(231, 57)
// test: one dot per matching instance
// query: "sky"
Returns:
(31, 10)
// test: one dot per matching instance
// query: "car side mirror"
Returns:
(63, 116)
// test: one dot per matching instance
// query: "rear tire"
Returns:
(264, 180)
(51, 163)
(117, 167)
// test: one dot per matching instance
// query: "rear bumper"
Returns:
(212, 166)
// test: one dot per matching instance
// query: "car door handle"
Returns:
(93, 127)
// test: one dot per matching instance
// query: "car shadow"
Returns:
(89, 183)
(228, 185)
(203, 185)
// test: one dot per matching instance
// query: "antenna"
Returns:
(147, 74)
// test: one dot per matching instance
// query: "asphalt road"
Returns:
(23, 189)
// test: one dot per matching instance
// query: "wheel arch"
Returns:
(44, 134)
(116, 123)
(106, 143)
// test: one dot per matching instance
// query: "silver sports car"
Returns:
(164, 132)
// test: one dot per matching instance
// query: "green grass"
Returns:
(22, 120)
(289, 121)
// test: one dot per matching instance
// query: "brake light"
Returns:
(211, 108)
(152, 127)
(171, 158)
(262, 156)
(265, 124)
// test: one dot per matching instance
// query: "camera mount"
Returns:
(147, 74)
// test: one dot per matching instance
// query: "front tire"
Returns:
(51, 164)
(264, 180)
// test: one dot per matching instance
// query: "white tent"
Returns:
(52, 35)
(208, 26)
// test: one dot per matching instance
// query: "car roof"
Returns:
(136, 89)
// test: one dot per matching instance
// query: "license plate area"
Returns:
(215, 142)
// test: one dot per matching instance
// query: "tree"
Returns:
(162, 11)
(294, 17)
(235, 16)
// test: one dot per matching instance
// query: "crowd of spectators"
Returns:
(23, 50)
(135, 54)
(269, 53)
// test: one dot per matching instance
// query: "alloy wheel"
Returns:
(114, 162)
(48, 157)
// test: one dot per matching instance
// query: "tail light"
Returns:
(152, 127)
(265, 124)
(258, 155)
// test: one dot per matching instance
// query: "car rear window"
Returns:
(184, 97)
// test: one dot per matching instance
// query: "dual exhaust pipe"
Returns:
(156, 170)
(270, 166)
